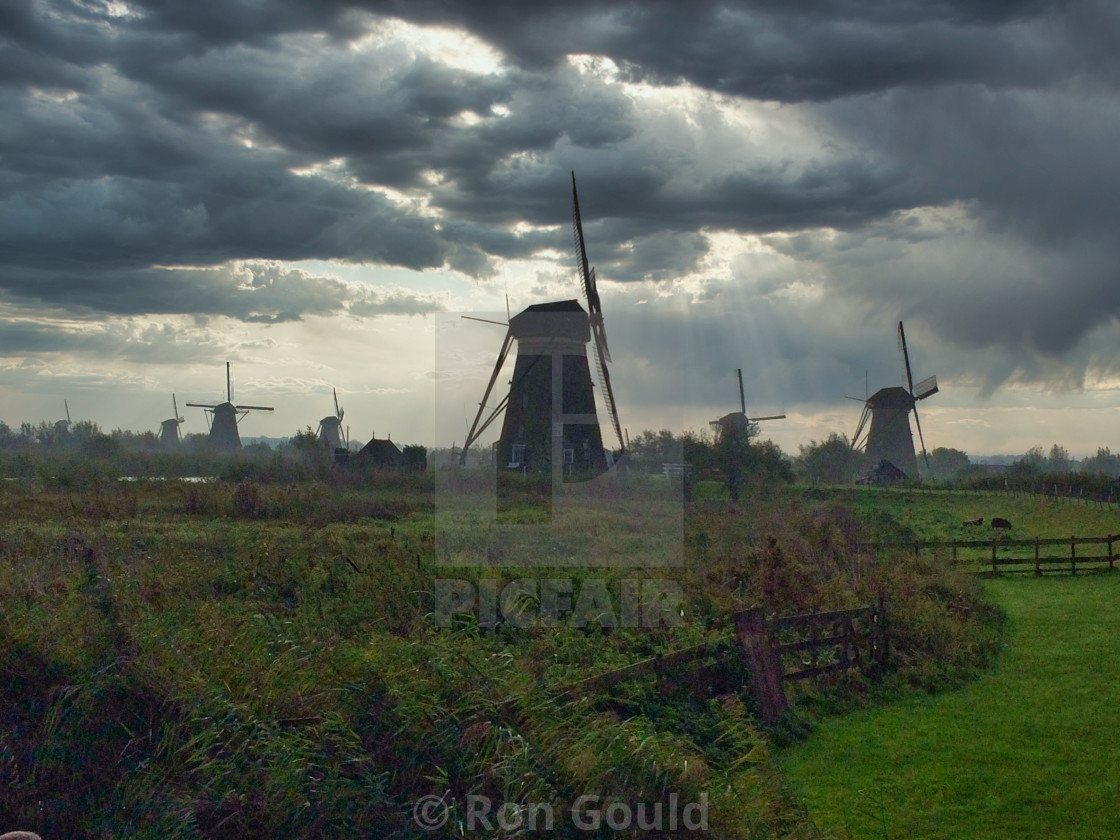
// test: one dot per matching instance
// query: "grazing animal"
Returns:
(1000, 522)
(978, 521)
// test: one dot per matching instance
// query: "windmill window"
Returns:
(517, 455)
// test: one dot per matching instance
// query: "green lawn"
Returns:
(1029, 750)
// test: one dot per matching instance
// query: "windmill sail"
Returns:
(595, 313)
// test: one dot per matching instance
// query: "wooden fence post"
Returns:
(882, 643)
(1037, 568)
(995, 568)
(1072, 555)
(954, 551)
(1110, 558)
(766, 667)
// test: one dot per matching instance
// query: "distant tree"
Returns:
(947, 464)
(1059, 459)
(99, 445)
(1029, 466)
(1104, 463)
(415, 457)
(832, 461)
(698, 451)
(768, 464)
(306, 441)
(649, 450)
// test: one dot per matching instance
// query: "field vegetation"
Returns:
(256, 656)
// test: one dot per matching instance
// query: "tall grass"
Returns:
(258, 659)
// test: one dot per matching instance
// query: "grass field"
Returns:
(940, 514)
(1028, 750)
(257, 658)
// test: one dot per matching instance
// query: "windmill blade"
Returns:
(586, 277)
(767, 417)
(338, 412)
(175, 405)
(863, 418)
(906, 358)
(742, 397)
(67, 405)
(598, 325)
(476, 430)
(254, 408)
(926, 388)
(918, 423)
(608, 394)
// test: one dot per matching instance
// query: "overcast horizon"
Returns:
(309, 191)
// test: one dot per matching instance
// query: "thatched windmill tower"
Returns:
(224, 417)
(330, 428)
(888, 437)
(169, 435)
(550, 415)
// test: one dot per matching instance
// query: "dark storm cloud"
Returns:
(253, 293)
(781, 51)
(147, 149)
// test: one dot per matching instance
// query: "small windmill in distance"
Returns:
(330, 428)
(738, 420)
(169, 434)
(224, 417)
(888, 437)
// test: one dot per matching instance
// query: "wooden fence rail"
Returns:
(796, 647)
(1038, 562)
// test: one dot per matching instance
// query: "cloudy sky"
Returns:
(315, 191)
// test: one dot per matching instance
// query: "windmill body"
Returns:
(884, 427)
(550, 416)
(552, 363)
(330, 433)
(170, 435)
(889, 437)
(330, 428)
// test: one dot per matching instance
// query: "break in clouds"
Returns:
(950, 163)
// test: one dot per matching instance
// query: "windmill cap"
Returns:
(896, 397)
(561, 319)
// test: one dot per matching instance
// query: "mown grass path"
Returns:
(1030, 750)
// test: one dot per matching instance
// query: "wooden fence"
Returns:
(1039, 561)
(801, 647)
(795, 647)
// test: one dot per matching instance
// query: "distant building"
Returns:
(381, 454)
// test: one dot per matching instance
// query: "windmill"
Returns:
(550, 408)
(738, 420)
(224, 417)
(888, 436)
(330, 428)
(169, 434)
